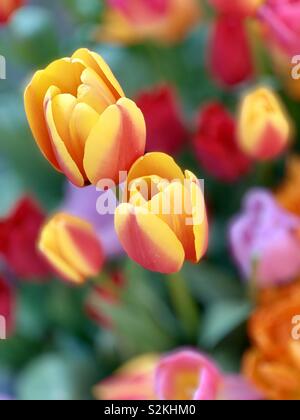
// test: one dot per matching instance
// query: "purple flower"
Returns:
(84, 202)
(264, 241)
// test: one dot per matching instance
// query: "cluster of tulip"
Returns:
(89, 130)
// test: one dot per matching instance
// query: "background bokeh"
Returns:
(56, 350)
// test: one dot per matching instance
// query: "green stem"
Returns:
(184, 304)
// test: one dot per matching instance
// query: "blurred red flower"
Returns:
(7, 302)
(108, 292)
(216, 145)
(19, 233)
(164, 120)
(7, 8)
(230, 52)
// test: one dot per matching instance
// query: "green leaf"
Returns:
(9, 195)
(50, 377)
(137, 329)
(221, 319)
(211, 284)
(147, 292)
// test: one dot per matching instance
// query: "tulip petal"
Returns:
(172, 206)
(90, 78)
(155, 163)
(53, 75)
(199, 217)
(187, 375)
(62, 154)
(148, 240)
(82, 121)
(66, 74)
(97, 63)
(115, 142)
(33, 99)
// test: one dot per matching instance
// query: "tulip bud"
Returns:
(216, 145)
(264, 128)
(230, 52)
(166, 131)
(162, 221)
(71, 247)
(81, 120)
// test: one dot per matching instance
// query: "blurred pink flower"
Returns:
(182, 375)
(264, 241)
(141, 11)
(282, 21)
(187, 375)
(190, 375)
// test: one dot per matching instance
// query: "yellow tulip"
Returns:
(134, 381)
(162, 221)
(264, 129)
(81, 120)
(71, 247)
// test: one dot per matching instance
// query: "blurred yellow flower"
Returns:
(71, 247)
(181, 17)
(134, 381)
(264, 128)
(162, 221)
(81, 120)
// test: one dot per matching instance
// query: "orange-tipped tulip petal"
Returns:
(148, 240)
(71, 247)
(81, 120)
(264, 129)
(162, 221)
(122, 131)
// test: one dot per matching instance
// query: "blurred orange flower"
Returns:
(173, 25)
(273, 363)
(288, 194)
